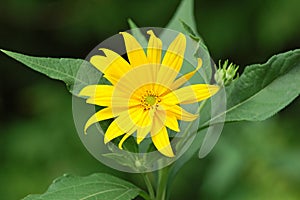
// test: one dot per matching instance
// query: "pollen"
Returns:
(149, 100)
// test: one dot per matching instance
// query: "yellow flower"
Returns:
(145, 94)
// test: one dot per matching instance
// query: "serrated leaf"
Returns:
(64, 69)
(96, 186)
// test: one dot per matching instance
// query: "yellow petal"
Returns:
(190, 94)
(120, 104)
(97, 91)
(162, 143)
(183, 79)
(135, 116)
(171, 122)
(136, 78)
(125, 137)
(99, 94)
(117, 103)
(100, 101)
(154, 48)
(175, 53)
(159, 119)
(125, 123)
(105, 113)
(179, 112)
(135, 52)
(112, 132)
(142, 132)
(165, 77)
(144, 126)
(154, 51)
(172, 61)
(111, 78)
(145, 119)
(122, 124)
(112, 65)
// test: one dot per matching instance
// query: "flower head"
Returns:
(145, 93)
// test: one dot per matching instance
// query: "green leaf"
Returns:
(260, 92)
(264, 89)
(190, 31)
(185, 12)
(96, 186)
(239, 107)
(64, 69)
(136, 32)
(184, 21)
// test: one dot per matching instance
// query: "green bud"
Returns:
(138, 163)
(225, 74)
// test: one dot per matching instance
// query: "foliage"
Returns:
(96, 186)
(260, 92)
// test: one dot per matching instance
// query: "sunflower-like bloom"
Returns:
(145, 93)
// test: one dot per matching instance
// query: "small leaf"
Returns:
(96, 186)
(201, 51)
(67, 70)
(190, 31)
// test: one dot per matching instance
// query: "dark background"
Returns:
(38, 141)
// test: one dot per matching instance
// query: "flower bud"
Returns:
(225, 74)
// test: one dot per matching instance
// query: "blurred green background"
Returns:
(38, 139)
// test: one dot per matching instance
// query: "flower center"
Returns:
(149, 100)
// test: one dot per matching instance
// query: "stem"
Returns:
(145, 195)
(149, 186)
(163, 174)
(162, 183)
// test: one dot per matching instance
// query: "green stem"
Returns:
(149, 186)
(162, 183)
(163, 174)
(145, 195)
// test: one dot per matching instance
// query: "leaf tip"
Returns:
(4, 51)
(131, 23)
(129, 20)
